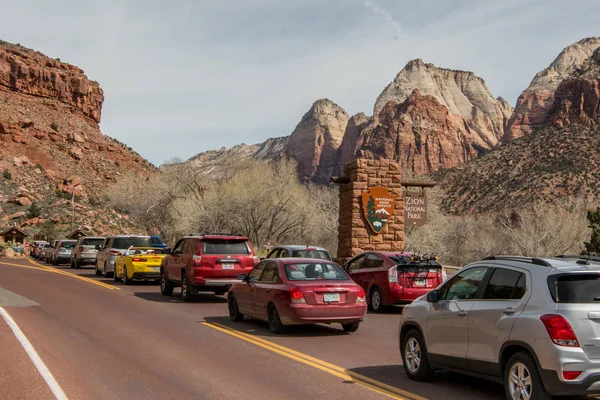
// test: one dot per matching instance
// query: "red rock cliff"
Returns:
(29, 72)
(420, 133)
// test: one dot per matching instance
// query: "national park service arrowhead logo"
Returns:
(378, 206)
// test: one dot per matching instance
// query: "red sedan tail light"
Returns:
(361, 296)
(297, 296)
(114, 252)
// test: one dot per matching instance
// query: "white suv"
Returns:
(532, 324)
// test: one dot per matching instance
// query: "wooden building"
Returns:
(14, 234)
(76, 234)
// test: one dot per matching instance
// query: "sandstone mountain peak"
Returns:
(463, 93)
(535, 103)
(324, 106)
(315, 140)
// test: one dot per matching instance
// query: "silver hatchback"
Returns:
(532, 324)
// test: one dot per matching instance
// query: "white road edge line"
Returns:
(33, 355)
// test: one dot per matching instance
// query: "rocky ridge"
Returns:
(467, 120)
(535, 103)
(51, 146)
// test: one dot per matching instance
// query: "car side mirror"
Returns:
(241, 277)
(433, 296)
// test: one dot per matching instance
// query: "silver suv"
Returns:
(532, 324)
(113, 247)
(85, 251)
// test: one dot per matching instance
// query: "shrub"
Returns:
(6, 174)
(117, 164)
(34, 211)
(39, 166)
(54, 126)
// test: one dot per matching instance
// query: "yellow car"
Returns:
(139, 263)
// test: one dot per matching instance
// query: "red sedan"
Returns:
(291, 291)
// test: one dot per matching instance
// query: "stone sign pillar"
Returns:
(355, 233)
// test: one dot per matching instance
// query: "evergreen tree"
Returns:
(592, 247)
(371, 207)
(34, 211)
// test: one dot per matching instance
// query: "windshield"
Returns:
(578, 288)
(311, 272)
(320, 254)
(215, 246)
(125, 243)
(92, 242)
(155, 240)
(68, 244)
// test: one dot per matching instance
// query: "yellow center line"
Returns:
(332, 369)
(40, 267)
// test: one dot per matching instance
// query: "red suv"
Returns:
(206, 263)
(394, 278)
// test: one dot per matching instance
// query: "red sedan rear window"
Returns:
(313, 272)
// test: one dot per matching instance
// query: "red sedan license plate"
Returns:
(420, 282)
(331, 297)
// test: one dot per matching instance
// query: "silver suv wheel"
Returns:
(520, 385)
(412, 355)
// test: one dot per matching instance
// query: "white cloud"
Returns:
(386, 14)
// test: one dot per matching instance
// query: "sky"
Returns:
(186, 76)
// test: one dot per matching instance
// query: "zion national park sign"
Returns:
(378, 206)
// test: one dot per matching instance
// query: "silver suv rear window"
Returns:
(125, 243)
(92, 242)
(218, 246)
(577, 288)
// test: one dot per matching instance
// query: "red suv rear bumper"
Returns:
(405, 295)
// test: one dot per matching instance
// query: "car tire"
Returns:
(525, 368)
(186, 296)
(220, 292)
(351, 326)
(98, 272)
(55, 262)
(376, 301)
(116, 278)
(77, 265)
(166, 287)
(234, 311)
(415, 358)
(126, 279)
(275, 324)
(72, 264)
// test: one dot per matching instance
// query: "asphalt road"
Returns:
(105, 340)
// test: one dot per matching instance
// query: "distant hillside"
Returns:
(549, 164)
